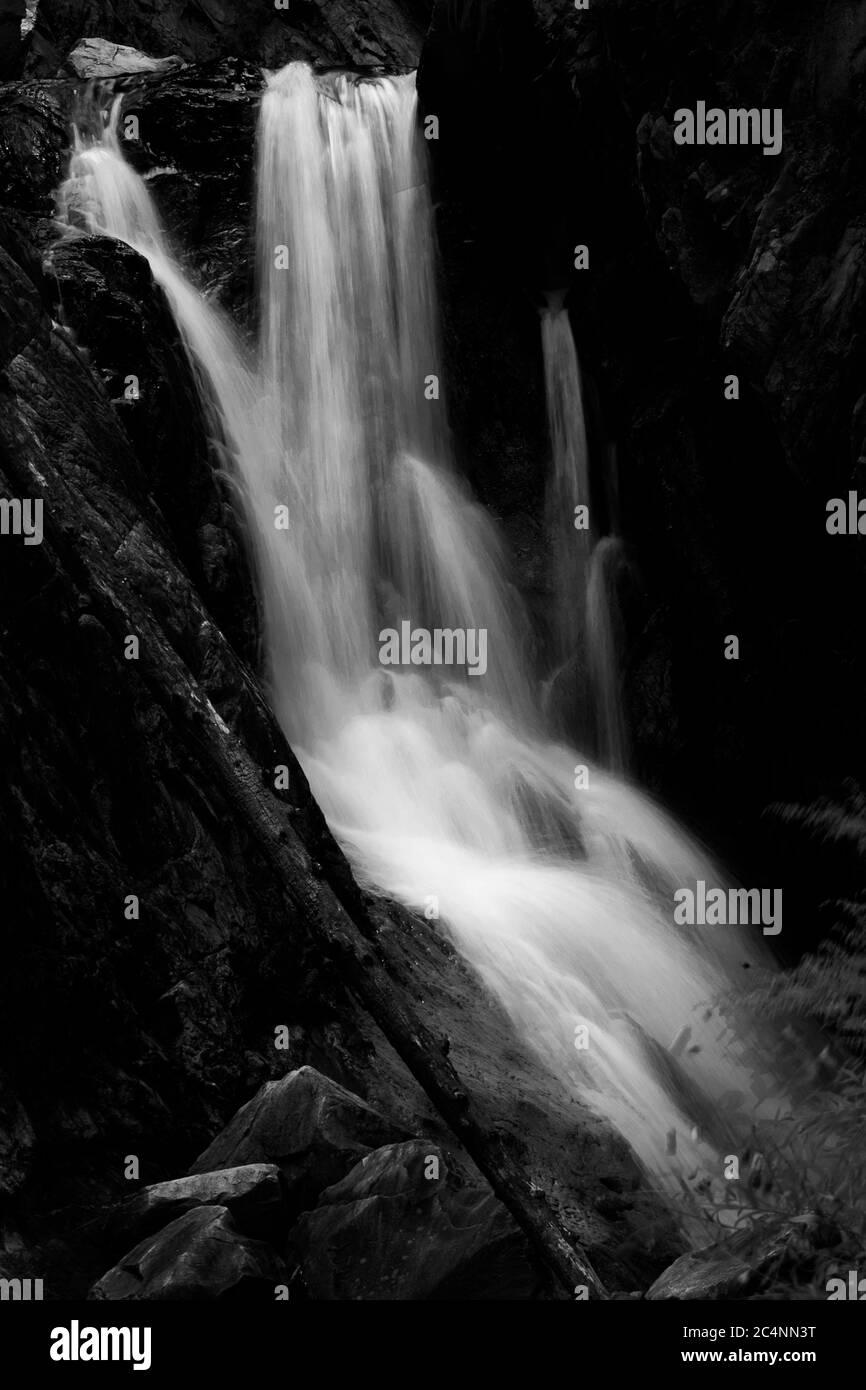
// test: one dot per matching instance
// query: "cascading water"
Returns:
(605, 649)
(569, 485)
(383, 529)
(584, 567)
(561, 898)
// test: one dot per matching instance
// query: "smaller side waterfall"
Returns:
(568, 487)
(604, 641)
(585, 569)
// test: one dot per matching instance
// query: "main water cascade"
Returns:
(439, 785)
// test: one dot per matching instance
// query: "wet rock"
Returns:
(102, 58)
(201, 1255)
(195, 138)
(742, 1265)
(202, 119)
(331, 31)
(33, 142)
(11, 14)
(400, 1226)
(313, 1129)
(16, 1140)
(252, 1194)
(107, 295)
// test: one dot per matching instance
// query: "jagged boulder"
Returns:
(743, 1264)
(202, 1255)
(401, 1226)
(102, 58)
(309, 1126)
(253, 1194)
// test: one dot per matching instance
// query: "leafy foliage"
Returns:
(829, 986)
(805, 1169)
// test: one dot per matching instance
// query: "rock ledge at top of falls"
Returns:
(104, 58)
(384, 33)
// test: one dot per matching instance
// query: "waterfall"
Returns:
(604, 643)
(442, 787)
(350, 358)
(569, 486)
(585, 569)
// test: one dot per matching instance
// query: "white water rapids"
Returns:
(442, 788)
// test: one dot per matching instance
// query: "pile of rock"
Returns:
(310, 1192)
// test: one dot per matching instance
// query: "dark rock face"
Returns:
(33, 142)
(16, 1140)
(333, 32)
(196, 136)
(769, 245)
(107, 296)
(400, 1227)
(201, 1255)
(11, 14)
